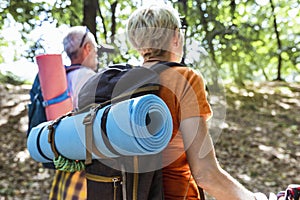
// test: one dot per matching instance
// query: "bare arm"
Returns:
(204, 165)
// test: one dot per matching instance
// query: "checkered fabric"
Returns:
(68, 186)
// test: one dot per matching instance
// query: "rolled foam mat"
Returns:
(138, 126)
(53, 82)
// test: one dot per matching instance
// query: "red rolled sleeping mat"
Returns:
(54, 85)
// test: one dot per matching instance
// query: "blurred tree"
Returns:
(278, 40)
(246, 40)
(89, 15)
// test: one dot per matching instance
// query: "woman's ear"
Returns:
(176, 38)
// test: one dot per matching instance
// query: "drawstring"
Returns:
(201, 192)
(123, 182)
(135, 178)
(187, 188)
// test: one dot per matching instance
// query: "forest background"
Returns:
(252, 46)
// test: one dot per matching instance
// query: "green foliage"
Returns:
(68, 12)
(10, 78)
(107, 27)
(4, 44)
(111, 28)
(239, 36)
(24, 12)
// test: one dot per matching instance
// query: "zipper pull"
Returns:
(115, 180)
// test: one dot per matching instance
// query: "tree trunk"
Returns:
(89, 15)
(103, 21)
(278, 43)
(184, 25)
(113, 20)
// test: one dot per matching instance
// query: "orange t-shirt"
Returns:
(183, 90)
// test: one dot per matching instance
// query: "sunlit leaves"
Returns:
(239, 35)
(245, 35)
(68, 12)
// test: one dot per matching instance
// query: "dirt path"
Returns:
(261, 142)
(20, 176)
(259, 145)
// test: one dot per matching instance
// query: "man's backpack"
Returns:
(36, 110)
(36, 107)
(125, 177)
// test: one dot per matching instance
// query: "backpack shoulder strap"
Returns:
(35, 88)
(121, 66)
(65, 94)
(171, 64)
(72, 67)
(163, 65)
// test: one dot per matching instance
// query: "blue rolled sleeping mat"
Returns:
(137, 126)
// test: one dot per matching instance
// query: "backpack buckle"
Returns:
(89, 118)
(45, 104)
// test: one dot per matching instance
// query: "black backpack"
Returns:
(120, 178)
(36, 110)
(36, 107)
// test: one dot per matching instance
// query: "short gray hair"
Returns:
(73, 39)
(150, 29)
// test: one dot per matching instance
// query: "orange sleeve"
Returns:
(193, 101)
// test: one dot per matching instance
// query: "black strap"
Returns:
(51, 134)
(39, 146)
(104, 131)
(201, 192)
(163, 65)
(72, 67)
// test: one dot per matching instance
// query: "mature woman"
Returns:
(189, 160)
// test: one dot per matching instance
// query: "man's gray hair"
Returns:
(73, 39)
